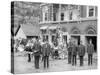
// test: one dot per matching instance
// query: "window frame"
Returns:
(93, 12)
(62, 17)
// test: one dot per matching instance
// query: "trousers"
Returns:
(90, 59)
(46, 61)
(36, 61)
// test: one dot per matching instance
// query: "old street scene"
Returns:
(49, 37)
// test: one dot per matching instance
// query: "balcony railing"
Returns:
(71, 21)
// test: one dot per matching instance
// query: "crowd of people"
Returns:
(45, 50)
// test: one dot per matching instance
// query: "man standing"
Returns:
(70, 51)
(37, 52)
(74, 53)
(29, 50)
(90, 51)
(81, 53)
(46, 50)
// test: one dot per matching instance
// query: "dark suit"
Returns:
(74, 54)
(46, 50)
(70, 52)
(90, 51)
(37, 52)
(81, 53)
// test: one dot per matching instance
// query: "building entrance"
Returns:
(94, 41)
(77, 38)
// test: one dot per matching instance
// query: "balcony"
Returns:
(70, 21)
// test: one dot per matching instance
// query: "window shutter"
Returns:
(83, 11)
(96, 11)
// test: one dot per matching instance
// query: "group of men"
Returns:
(74, 50)
(80, 50)
(39, 51)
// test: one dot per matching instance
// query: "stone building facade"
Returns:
(61, 22)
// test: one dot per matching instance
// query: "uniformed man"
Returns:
(81, 53)
(70, 51)
(37, 53)
(46, 50)
(90, 51)
(74, 53)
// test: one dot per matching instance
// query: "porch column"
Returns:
(82, 38)
(49, 38)
(68, 37)
(41, 37)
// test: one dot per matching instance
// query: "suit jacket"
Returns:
(74, 50)
(90, 48)
(37, 49)
(81, 50)
(46, 49)
(70, 47)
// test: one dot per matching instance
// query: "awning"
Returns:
(53, 27)
(44, 27)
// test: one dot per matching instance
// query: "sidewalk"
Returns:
(22, 66)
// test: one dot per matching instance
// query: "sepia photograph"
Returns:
(53, 37)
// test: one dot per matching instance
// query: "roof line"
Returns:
(17, 30)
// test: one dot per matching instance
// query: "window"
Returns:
(54, 16)
(53, 31)
(70, 16)
(46, 16)
(44, 31)
(62, 16)
(91, 12)
(45, 38)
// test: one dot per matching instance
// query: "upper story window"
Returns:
(53, 31)
(45, 13)
(44, 31)
(62, 16)
(54, 16)
(46, 16)
(55, 12)
(70, 15)
(91, 12)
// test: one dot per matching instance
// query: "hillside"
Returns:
(25, 13)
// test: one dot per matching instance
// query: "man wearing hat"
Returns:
(37, 53)
(70, 44)
(46, 50)
(81, 53)
(74, 53)
(90, 51)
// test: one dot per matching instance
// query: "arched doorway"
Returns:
(64, 30)
(75, 34)
(91, 34)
